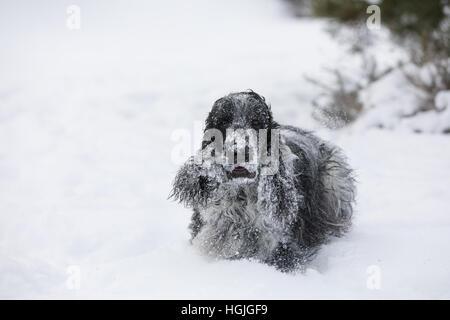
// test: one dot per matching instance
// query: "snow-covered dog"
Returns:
(276, 205)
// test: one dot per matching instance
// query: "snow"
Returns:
(86, 125)
(390, 101)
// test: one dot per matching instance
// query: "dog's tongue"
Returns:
(240, 172)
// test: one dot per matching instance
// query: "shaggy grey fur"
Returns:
(279, 219)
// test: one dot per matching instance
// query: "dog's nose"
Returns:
(241, 146)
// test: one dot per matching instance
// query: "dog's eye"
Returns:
(256, 124)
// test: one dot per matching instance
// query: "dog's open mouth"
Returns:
(241, 172)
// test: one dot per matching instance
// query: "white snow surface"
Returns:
(86, 160)
(389, 102)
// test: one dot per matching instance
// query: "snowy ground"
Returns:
(86, 121)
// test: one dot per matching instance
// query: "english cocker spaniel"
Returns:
(263, 191)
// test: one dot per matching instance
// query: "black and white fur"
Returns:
(279, 219)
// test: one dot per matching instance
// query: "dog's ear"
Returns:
(278, 195)
(190, 185)
(193, 185)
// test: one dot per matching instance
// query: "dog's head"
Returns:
(240, 113)
(270, 182)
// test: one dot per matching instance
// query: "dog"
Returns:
(280, 218)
